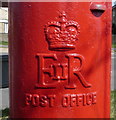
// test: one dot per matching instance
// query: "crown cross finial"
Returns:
(62, 17)
(62, 34)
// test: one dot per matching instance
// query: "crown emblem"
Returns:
(62, 34)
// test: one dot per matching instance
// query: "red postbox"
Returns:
(60, 59)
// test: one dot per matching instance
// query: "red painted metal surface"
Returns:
(60, 60)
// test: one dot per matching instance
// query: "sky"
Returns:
(113, 2)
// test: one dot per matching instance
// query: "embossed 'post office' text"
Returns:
(67, 100)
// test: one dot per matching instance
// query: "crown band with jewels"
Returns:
(62, 35)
